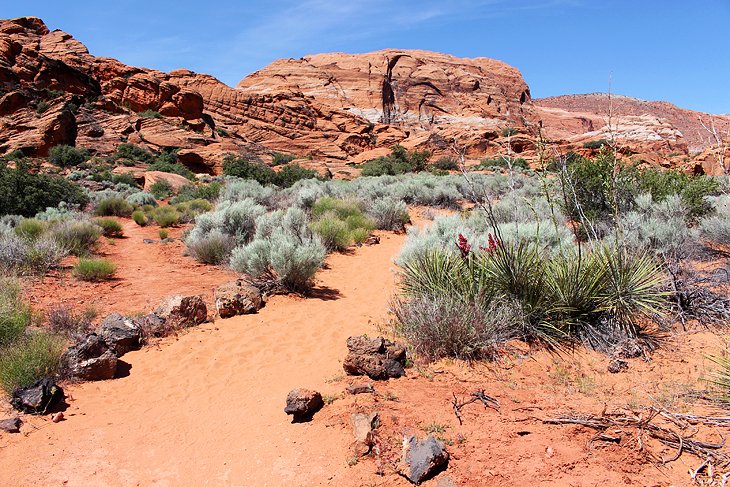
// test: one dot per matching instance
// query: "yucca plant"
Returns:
(439, 273)
(721, 377)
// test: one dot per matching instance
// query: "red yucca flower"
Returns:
(493, 244)
(464, 246)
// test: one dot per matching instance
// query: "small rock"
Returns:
(11, 425)
(360, 388)
(377, 358)
(549, 452)
(183, 311)
(363, 427)
(237, 298)
(89, 359)
(38, 398)
(372, 240)
(58, 417)
(445, 481)
(121, 334)
(149, 241)
(302, 404)
(629, 348)
(617, 365)
(423, 459)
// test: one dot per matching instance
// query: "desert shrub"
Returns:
(212, 248)
(67, 156)
(389, 214)
(340, 223)
(26, 193)
(509, 131)
(61, 212)
(292, 173)
(132, 152)
(281, 259)
(141, 198)
(30, 358)
(693, 190)
(279, 158)
(124, 178)
(42, 107)
(399, 161)
(114, 206)
(18, 255)
(192, 208)
(716, 226)
(167, 162)
(149, 114)
(208, 192)
(76, 237)
(245, 169)
(139, 218)
(595, 144)
(15, 316)
(64, 321)
(163, 233)
(30, 228)
(165, 216)
(161, 189)
(446, 164)
(503, 161)
(94, 269)
(241, 189)
(110, 227)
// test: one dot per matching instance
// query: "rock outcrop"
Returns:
(182, 311)
(89, 359)
(237, 298)
(38, 398)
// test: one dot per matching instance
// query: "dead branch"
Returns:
(488, 401)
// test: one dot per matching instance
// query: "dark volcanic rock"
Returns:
(423, 459)
(617, 365)
(120, 334)
(11, 425)
(38, 398)
(377, 358)
(90, 359)
(302, 404)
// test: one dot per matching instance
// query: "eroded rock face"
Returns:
(378, 358)
(237, 298)
(90, 359)
(38, 398)
(182, 311)
(301, 404)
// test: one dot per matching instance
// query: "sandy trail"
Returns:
(207, 408)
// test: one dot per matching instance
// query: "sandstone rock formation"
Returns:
(334, 109)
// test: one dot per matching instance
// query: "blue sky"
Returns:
(656, 50)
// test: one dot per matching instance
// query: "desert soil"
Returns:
(206, 407)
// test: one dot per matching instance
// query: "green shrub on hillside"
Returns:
(67, 156)
(114, 206)
(399, 161)
(94, 269)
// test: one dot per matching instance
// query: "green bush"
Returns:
(333, 232)
(167, 162)
(42, 107)
(30, 228)
(139, 218)
(399, 161)
(595, 144)
(292, 173)
(114, 206)
(67, 156)
(280, 159)
(509, 132)
(94, 269)
(26, 193)
(165, 216)
(503, 161)
(149, 114)
(693, 190)
(14, 315)
(124, 178)
(446, 164)
(28, 359)
(163, 233)
(340, 223)
(76, 237)
(208, 192)
(190, 209)
(389, 214)
(133, 153)
(161, 189)
(213, 248)
(244, 169)
(110, 227)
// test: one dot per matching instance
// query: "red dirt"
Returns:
(206, 407)
(146, 273)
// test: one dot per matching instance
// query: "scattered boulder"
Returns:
(423, 459)
(90, 359)
(302, 404)
(183, 311)
(363, 428)
(120, 334)
(38, 398)
(617, 365)
(153, 325)
(175, 181)
(366, 388)
(628, 348)
(58, 417)
(11, 425)
(377, 358)
(237, 298)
